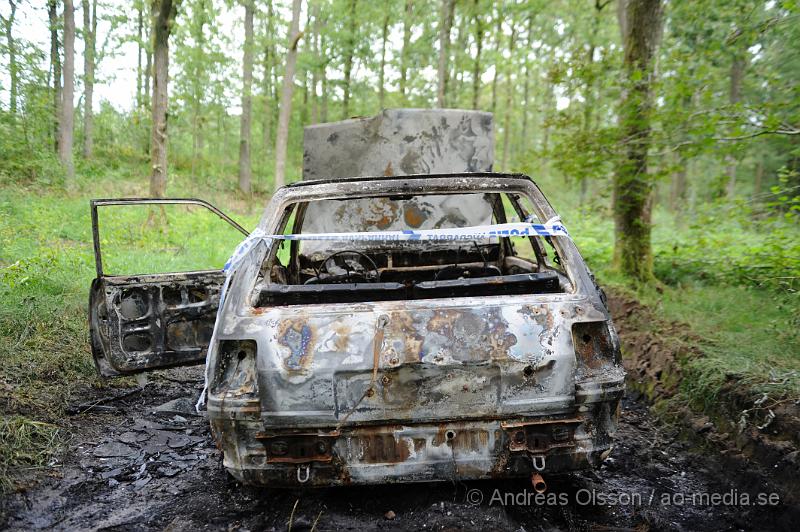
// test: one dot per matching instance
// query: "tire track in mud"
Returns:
(153, 466)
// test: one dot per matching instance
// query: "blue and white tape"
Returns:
(553, 227)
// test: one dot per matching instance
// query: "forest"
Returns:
(666, 133)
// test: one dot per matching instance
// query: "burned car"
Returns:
(385, 329)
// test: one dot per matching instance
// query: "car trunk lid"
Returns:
(455, 358)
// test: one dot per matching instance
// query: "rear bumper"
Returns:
(420, 452)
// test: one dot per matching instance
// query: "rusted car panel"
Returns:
(140, 323)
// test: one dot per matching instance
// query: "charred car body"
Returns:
(370, 361)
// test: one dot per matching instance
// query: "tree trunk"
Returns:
(148, 63)
(148, 75)
(196, 86)
(738, 64)
(245, 170)
(147, 44)
(509, 98)
(455, 72)
(317, 61)
(67, 121)
(407, 23)
(547, 106)
(12, 58)
(282, 140)
(269, 101)
(323, 108)
(622, 19)
(163, 16)
(589, 100)
(526, 88)
(759, 179)
(476, 70)
(633, 185)
(445, 24)
(348, 59)
(499, 43)
(677, 196)
(309, 49)
(382, 74)
(304, 107)
(55, 64)
(139, 37)
(89, 39)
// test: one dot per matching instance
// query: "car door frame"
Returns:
(106, 291)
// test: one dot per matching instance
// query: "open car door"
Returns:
(146, 319)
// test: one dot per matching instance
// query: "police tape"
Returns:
(447, 234)
(552, 227)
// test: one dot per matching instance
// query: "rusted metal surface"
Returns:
(144, 322)
(447, 450)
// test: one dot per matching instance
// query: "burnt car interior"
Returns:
(335, 271)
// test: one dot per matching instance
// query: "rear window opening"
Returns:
(302, 272)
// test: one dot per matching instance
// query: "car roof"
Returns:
(495, 175)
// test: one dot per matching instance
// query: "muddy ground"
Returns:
(146, 463)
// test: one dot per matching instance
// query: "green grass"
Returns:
(746, 334)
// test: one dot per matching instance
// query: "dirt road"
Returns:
(148, 464)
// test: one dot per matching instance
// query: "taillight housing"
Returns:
(235, 372)
(593, 344)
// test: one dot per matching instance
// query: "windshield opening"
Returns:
(339, 270)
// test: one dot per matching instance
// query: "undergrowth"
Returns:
(24, 445)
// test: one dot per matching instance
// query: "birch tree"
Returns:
(282, 140)
(245, 171)
(445, 24)
(382, 71)
(55, 67)
(163, 14)
(89, 54)
(67, 120)
(350, 50)
(477, 69)
(408, 22)
(269, 101)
